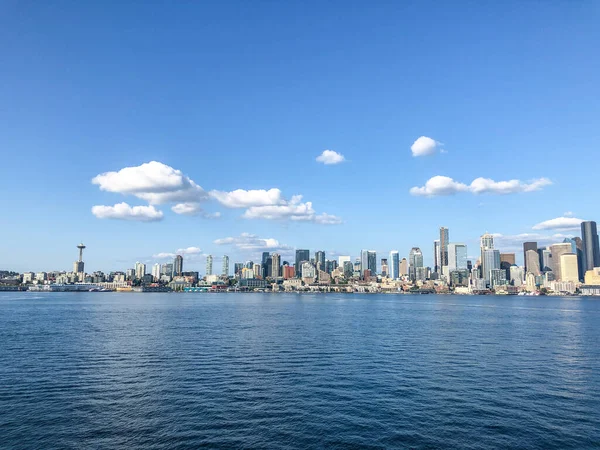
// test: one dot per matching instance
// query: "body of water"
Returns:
(144, 371)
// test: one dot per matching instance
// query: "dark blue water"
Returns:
(149, 371)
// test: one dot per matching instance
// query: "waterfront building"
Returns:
(156, 272)
(140, 270)
(308, 270)
(415, 260)
(490, 261)
(526, 247)
(592, 277)
(372, 262)
(209, 265)
(569, 268)
(384, 267)
(275, 263)
(436, 256)
(403, 267)
(487, 243)
(530, 282)
(532, 262)
(301, 256)
(457, 257)
(394, 265)
(591, 248)
(444, 241)
(288, 272)
(497, 277)
(458, 277)
(225, 266)
(178, 266)
(557, 251)
(517, 275)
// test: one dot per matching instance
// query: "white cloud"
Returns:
(194, 209)
(251, 242)
(424, 146)
(330, 157)
(568, 214)
(487, 185)
(560, 223)
(241, 198)
(123, 211)
(441, 185)
(515, 242)
(293, 209)
(155, 182)
(188, 252)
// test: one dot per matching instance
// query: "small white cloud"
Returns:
(241, 198)
(568, 214)
(188, 252)
(424, 146)
(251, 242)
(294, 210)
(560, 223)
(122, 211)
(188, 209)
(441, 185)
(330, 157)
(213, 215)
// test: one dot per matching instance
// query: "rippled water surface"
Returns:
(97, 370)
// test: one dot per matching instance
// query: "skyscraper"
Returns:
(569, 271)
(342, 260)
(225, 267)
(557, 251)
(415, 260)
(490, 261)
(275, 264)
(444, 246)
(403, 267)
(591, 249)
(156, 272)
(457, 257)
(364, 261)
(263, 264)
(301, 255)
(436, 256)
(209, 265)
(526, 247)
(487, 243)
(78, 266)
(577, 249)
(532, 262)
(394, 265)
(320, 260)
(178, 266)
(545, 259)
(372, 262)
(140, 270)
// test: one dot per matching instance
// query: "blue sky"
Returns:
(246, 95)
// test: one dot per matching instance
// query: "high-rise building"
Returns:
(140, 270)
(444, 241)
(436, 256)
(167, 269)
(591, 248)
(275, 264)
(457, 257)
(517, 275)
(264, 264)
(394, 265)
(372, 262)
(384, 267)
(364, 260)
(487, 243)
(156, 272)
(545, 257)
(577, 249)
(403, 267)
(301, 256)
(178, 266)
(509, 258)
(308, 270)
(491, 261)
(130, 274)
(557, 251)
(320, 260)
(532, 262)
(237, 269)
(526, 247)
(225, 266)
(415, 260)
(209, 265)
(569, 269)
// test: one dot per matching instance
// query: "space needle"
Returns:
(78, 265)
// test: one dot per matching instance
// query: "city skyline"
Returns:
(168, 133)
